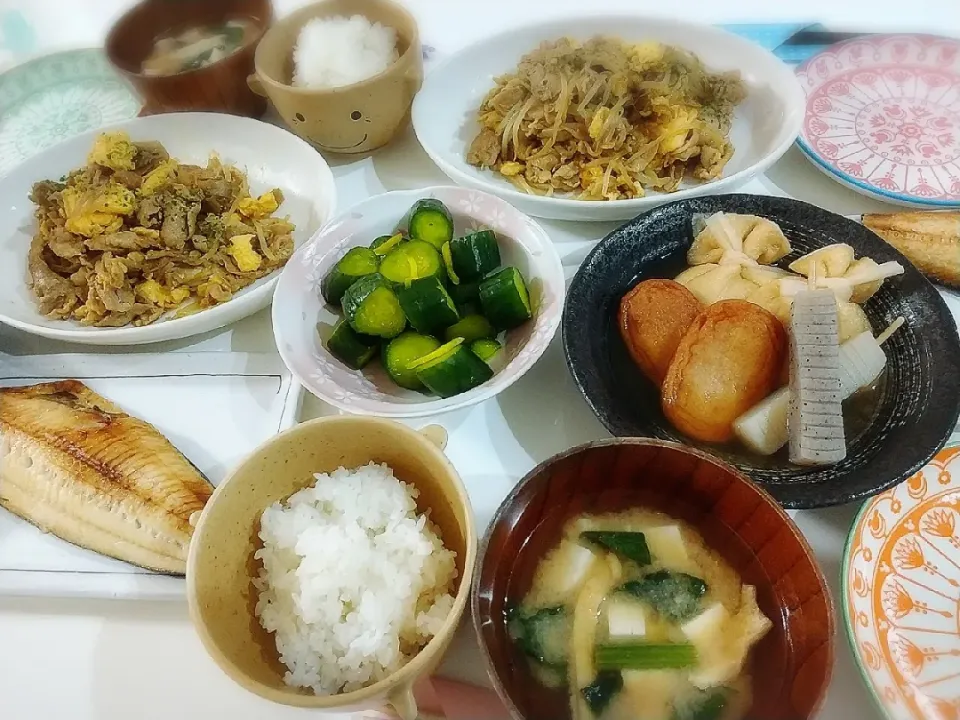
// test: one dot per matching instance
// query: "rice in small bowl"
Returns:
(336, 51)
(342, 74)
(353, 581)
(361, 575)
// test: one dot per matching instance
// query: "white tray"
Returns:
(215, 407)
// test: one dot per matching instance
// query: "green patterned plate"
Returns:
(54, 97)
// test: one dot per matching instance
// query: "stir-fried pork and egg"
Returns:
(136, 235)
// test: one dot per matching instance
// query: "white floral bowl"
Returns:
(298, 308)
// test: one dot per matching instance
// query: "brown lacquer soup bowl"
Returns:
(790, 667)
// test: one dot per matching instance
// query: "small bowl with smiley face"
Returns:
(352, 118)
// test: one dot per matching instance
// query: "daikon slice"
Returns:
(764, 427)
(861, 362)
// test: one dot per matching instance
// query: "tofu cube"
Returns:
(667, 547)
(626, 619)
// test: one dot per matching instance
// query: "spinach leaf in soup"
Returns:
(542, 635)
(675, 596)
(704, 705)
(602, 690)
(627, 545)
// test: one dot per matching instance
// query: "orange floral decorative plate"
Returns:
(901, 593)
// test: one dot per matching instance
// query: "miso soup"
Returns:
(637, 619)
(197, 47)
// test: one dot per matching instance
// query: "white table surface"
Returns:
(122, 661)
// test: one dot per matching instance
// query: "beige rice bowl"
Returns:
(353, 581)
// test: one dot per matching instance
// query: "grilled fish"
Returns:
(77, 466)
(930, 240)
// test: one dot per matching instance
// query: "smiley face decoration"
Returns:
(353, 118)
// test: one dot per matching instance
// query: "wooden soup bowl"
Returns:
(791, 666)
(221, 564)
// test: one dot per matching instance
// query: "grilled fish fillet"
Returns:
(930, 240)
(75, 465)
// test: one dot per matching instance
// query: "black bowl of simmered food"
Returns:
(671, 386)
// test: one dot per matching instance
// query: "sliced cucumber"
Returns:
(427, 305)
(403, 351)
(357, 263)
(465, 294)
(385, 243)
(452, 369)
(505, 300)
(351, 348)
(485, 349)
(410, 261)
(372, 308)
(475, 255)
(470, 328)
(430, 221)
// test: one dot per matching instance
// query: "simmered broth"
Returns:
(638, 619)
(197, 47)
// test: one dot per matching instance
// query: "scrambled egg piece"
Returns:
(597, 122)
(677, 131)
(509, 169)
(113, 150)
(590, 175)
(156, 178)
(153, 292)
(259, 207)
(92, 212)
(242, 252)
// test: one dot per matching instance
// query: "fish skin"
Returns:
(930, 240)
(77, 466)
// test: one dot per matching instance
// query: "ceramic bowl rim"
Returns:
(412, 669)
(22, 63)
(845, 562)
(299, 16)
(792, 94)
(845, 611)
(808, 554)
(427, 407)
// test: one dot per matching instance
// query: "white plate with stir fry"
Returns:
(160, 228)
(601, 118)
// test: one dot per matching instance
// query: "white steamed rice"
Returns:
(336, 51)
(353, 581)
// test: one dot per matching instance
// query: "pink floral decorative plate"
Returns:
(901, 593)
(883, 117)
